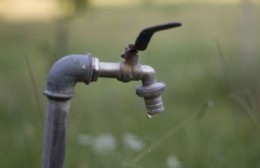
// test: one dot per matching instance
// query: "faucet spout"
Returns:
(151, 91)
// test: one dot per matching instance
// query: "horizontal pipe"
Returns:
(126, 72)
(109, 70)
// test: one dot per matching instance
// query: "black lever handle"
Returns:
(145, 35)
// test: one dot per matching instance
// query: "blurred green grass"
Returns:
(207, 123)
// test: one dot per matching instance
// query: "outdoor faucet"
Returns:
(71, 69)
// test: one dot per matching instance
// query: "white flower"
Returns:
(173, 162)
(104, 143)
(132, 142)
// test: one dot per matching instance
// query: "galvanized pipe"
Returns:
(55, 133)
(66, 72)
(62, 78)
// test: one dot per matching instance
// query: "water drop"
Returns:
(149, 116)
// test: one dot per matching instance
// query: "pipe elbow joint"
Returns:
(66, 72)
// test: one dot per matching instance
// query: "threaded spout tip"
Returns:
(154, 105)
(152, 97)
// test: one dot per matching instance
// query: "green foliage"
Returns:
(211, 100)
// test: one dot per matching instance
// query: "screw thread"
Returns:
(154, 105)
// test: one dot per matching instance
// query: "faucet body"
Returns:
(62, 79)
(150, 90)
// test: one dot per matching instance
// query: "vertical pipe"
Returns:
(63, 76)
(55, 133)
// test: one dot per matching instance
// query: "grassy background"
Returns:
(211, 101)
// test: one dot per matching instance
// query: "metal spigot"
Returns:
(129, 70)
(151, 90)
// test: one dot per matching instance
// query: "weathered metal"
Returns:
(70, 70)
